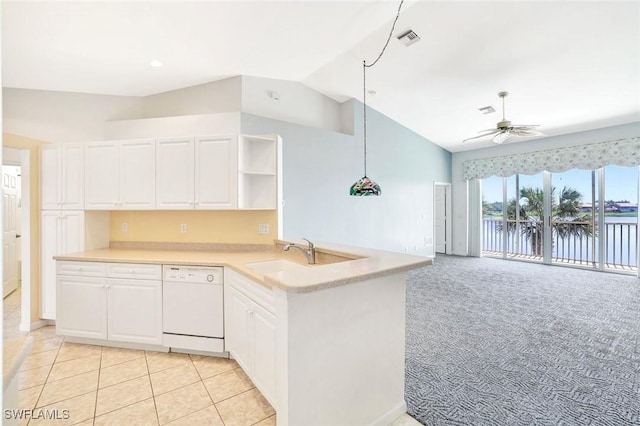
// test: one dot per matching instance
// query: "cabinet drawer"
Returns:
(86, 269)
(139, 271)
(253, 291)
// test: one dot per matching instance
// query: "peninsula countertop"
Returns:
(337, 264)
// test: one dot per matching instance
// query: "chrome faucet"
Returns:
(310, 253)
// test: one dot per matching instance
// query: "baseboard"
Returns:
(125, 345)
(36, 325)
(390, 416)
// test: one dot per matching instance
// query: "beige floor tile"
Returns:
(78, 409)
(269, 421)
(34, 377)
(27, 398)
(208, 366)
(123, 372)
(141, 413)
(113, 356)
(44, 332)
(85, 423)
(40, 359)
(174, 378)
(228, 384)
(182, 402)
(68, 388)
(245, 409)
(73, 367)
(158, 361)
(70, 351)
(209, 416)
(46, 344)
(123, 394)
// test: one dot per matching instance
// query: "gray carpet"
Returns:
(495, 342)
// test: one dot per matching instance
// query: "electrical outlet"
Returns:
(124, 227)
(263, 228)
(183, 228)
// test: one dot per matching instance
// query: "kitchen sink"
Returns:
(275, 265)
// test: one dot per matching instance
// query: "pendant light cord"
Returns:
(364, 84)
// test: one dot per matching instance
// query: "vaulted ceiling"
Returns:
(569, 66)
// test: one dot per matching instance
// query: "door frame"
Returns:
(448, 217)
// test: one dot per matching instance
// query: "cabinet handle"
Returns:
(250, 312)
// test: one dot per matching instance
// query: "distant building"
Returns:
(625, 207)
(586, 207)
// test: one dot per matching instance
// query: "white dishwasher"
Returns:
(192, 308)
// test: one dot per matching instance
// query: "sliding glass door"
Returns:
(579, 217)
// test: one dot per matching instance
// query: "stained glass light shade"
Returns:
(365, 187)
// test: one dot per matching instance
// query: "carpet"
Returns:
(495, 342)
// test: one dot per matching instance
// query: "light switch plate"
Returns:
(263, 228)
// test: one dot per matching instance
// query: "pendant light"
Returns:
(366, 186)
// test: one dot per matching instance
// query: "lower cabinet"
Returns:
(92, 304)
(250, 334)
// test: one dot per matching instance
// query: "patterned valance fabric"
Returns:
(623, 152)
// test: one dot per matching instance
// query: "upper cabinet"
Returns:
(196, 173)
(258, 165)
(62, 176)
(120, 175)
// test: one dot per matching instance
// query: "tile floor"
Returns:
(100, 385)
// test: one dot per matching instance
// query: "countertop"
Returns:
(351, 264)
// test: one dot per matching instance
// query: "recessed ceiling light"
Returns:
(155, 63)
(372, 92)
(487, 110)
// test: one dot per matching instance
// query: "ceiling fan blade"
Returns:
(502, 137)
(482, 135)
(526, 132)
(517, 126)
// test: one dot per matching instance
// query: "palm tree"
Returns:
(565, 212)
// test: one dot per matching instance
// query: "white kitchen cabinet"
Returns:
(196, 173)
(258, 170)
(251, 332)
(62, 176)
(134, 310)
(119, 302)
(82, 306)
(216, 172)
(120, 175)
(62, 232)
(175, 173)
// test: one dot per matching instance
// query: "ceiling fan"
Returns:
(504, 129)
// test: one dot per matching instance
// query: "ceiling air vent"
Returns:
(408, 37)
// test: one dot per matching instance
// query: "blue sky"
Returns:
(621, 183)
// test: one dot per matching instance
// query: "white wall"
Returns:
(61, 116)
(320, 166)
(214, 97)
(460, 206)
(297, 103)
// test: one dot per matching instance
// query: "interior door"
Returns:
(9, 228)
(440, 219)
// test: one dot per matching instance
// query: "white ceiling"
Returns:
(568, 65)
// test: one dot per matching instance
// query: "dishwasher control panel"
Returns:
(193, 274)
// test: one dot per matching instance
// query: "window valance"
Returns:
(622, 152)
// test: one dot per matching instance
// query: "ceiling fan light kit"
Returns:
(505, 130)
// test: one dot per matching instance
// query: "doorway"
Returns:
(10, 228)
(20, 161)
(442, 217)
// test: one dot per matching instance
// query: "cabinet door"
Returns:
(264, 351)
(101, 176)
(82, 307)
(237, 335)
(62, 233)
(216, 173)
(73, 176)
(50, 177)
(175, 164)
(137, 159)
(134, 310)
(50, 246)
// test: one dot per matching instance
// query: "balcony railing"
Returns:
(570, 245)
